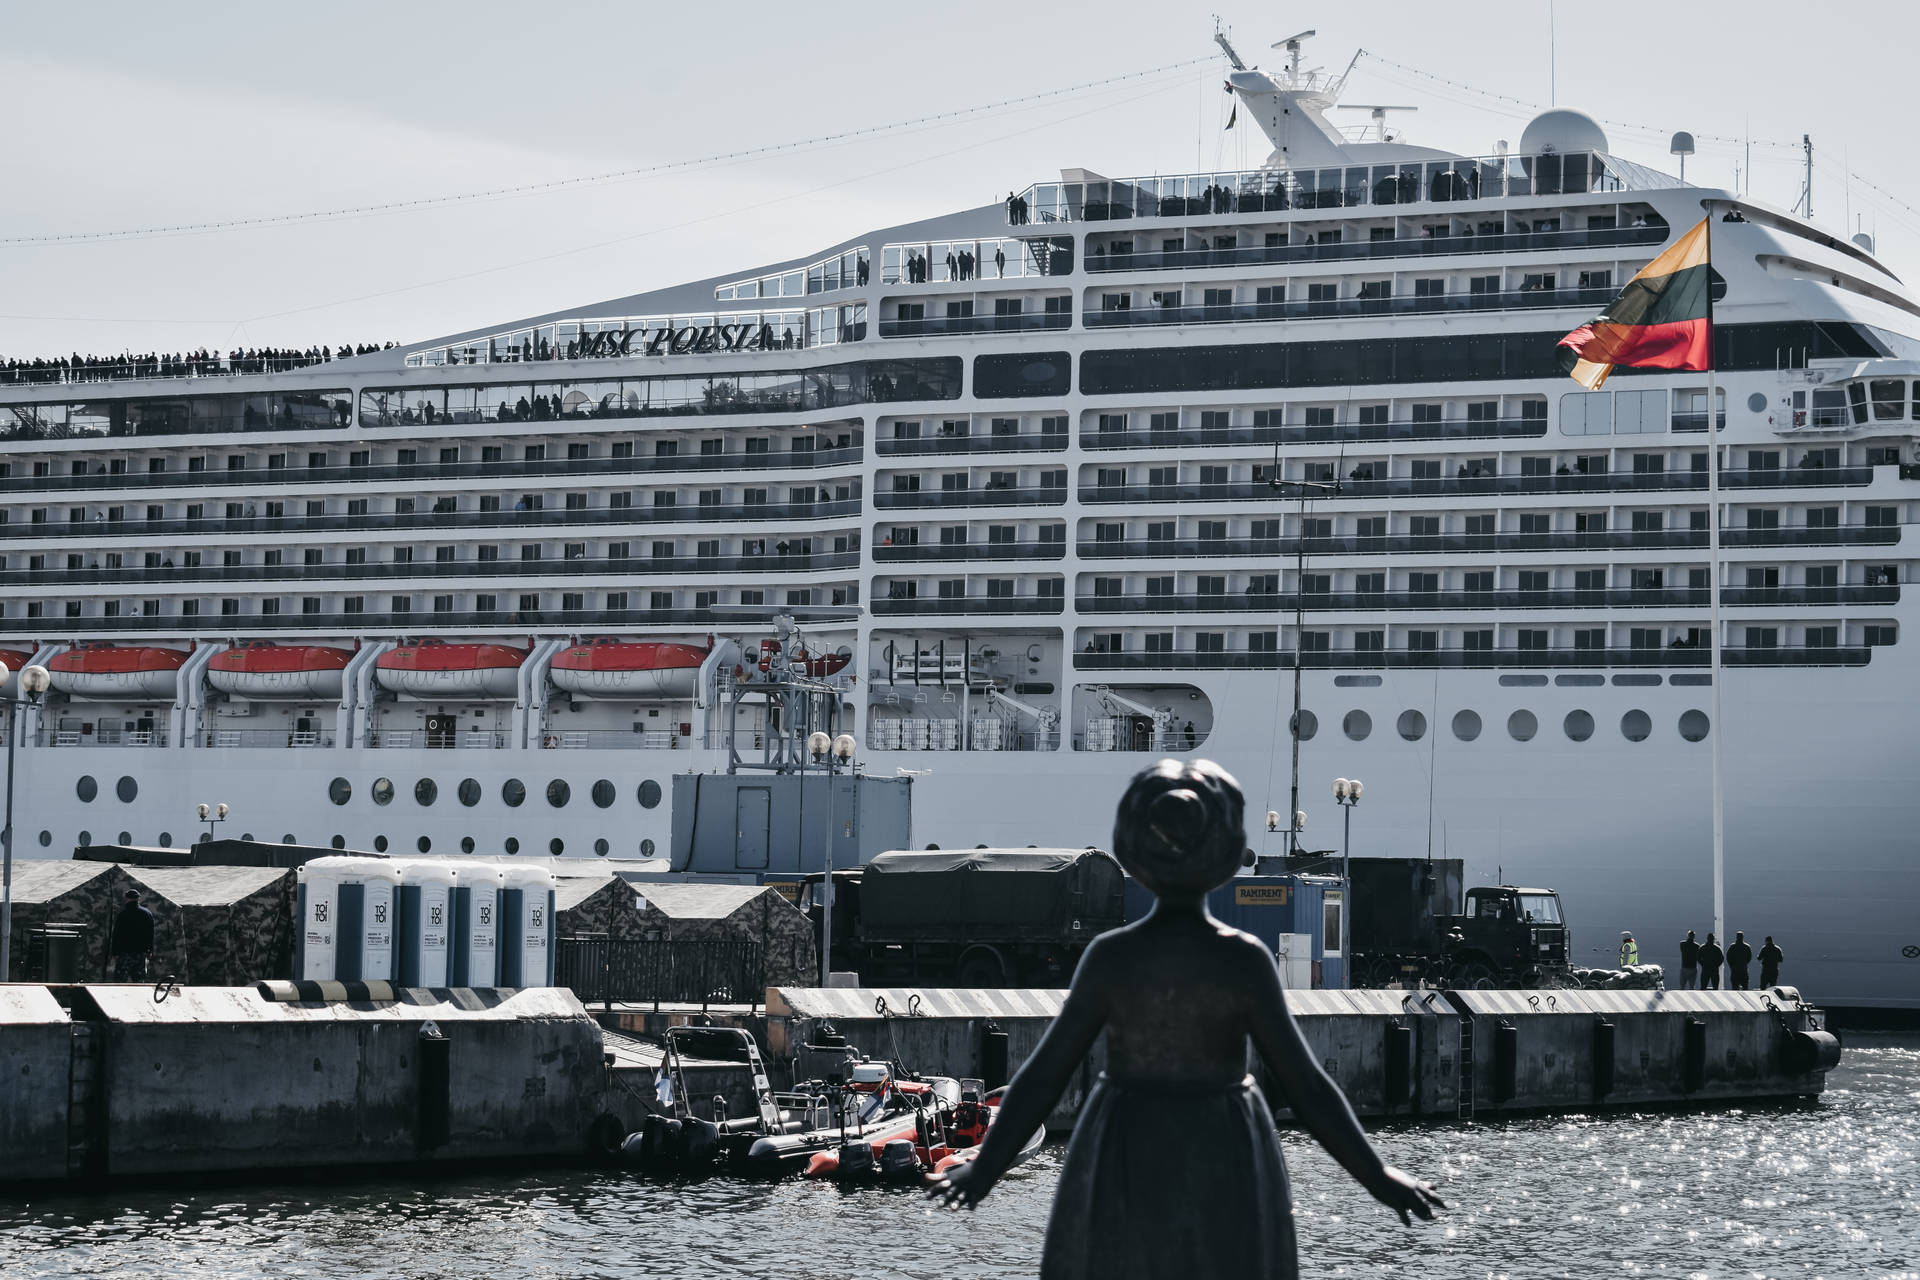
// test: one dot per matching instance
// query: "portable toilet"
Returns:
(317, 906)
(474, 960)
(368, 916)
(426, 922)
(526, 926)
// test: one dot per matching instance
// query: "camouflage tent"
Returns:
(219, 926)
(731, 912)
(595, 906)
(84, 894)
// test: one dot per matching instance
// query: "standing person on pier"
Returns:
(1770, 958)
(132, 940)
(1739, 956)
(1629, 951)
(1689, 963)
(1710, 957)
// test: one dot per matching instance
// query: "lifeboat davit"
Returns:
(613, 668)
(309, 672)
(436, 669)
(818, 665)
(136, 673)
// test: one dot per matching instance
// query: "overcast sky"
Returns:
(134, 115)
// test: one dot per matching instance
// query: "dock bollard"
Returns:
(436, 1084)
(1602, 1059)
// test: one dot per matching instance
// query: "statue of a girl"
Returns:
(1175, 1169)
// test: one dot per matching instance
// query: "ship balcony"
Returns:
(986, 442)
(944, 326)
(967, 606)
(1474, 486)
(430, 570)
(261, 478)
(968, 551)
(1447, 601)
(1445, 303)
(100, 736)
(1011, 496)
(1341, 433)
(1464, 659)
(1475, 543)
(1374, 250)
(613, 740)
(438, 740)
(284, 738)
(339, 622)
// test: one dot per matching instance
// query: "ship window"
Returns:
(1357, 725)
(557, 846)
(383, 791)
(1586, 413)
(1693, 725)
(86, 788)
(1412, 726)
(340, 791)
(469, 792)
(1889, 398)
(1635, 726)
(603, 794)
(512, 844)
(1037, 374)
(423, 844)
(379, 844)
(601, 847)
(1636, 412)
(1308, 724)
(1578, 725)
(1466, 725)
(426, 791)
(1522, 725)
(338, 842)
(649, 794)
(466, 844)
(558, 793)
(514, 793)
(85, 838)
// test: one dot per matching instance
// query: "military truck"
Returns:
(1507, 937)
(970, 917)
(1412, 923)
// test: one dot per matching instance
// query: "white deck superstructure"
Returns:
(1032, 501)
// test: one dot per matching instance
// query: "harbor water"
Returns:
(1822, 1190)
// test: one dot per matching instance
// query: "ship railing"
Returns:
(610, 740)
(267, 738)
(939, 326)
(78, 738)
(1404, 304)
(1677, 655)
(1439, 181)
(1430, 246)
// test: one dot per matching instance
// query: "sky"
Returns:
(142, 117)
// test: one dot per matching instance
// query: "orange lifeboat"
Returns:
(613, 668)
(137, 673)
(436, 669)
(818, 666)
(262, 669)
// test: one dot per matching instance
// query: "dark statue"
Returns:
(1175, 1168)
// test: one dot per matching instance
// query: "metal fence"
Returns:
(702, 972)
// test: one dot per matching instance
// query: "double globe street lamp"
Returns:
(1346, 794)
(32, 682)
(830, 752)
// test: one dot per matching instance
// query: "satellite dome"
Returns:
(1560, 131)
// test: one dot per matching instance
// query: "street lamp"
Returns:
(33, 682)
(218, 815)
(828, 752)
(1304, 490)
(1346, 794)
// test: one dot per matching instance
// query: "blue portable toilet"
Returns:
(426, 922)
(473, 959)
(526, 926)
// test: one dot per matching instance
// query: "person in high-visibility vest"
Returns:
(1629, 951)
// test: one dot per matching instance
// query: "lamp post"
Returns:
(1346, 794)
(212, 817)
(33, 681)
(828, 752)
(1304, 489)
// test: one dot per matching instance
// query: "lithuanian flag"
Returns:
(1662, 319)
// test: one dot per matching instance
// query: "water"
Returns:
(1817, 1191)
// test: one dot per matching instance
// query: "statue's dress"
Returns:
(1172, 1181)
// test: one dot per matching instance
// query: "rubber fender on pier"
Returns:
(1506, 1061)
(1809, 1051)
(436, 1086)
(1693, 1056)
(993, 1056)
(1398, 1087)
(1603, 1040)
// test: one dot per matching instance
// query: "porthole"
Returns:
(86, 788)
(126, 789)
(166, 839)
(1412, 725)
(514, 792)
(557, 845)
(469, 792)
(649, 794)
(466, 844)
(1357, 725)
(604, 793)
(513, 844)
(1522, 725)
(1756, 403)
(247, 837)
(601, 846)
(46, 839)
(1308, 726)
(1636, 726)
(1693, 725)
(558, 793)
(1579, 725)
(338, 842)
(126, 838)
(380, 844)
(1466, 725)
(339, 791)
(425, 792)
(86, 838)
(288, 839)
(423, 844)
(383, 790)
(646, 848)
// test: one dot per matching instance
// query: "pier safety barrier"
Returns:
(603, 970)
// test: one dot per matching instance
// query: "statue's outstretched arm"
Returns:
(1035, 1090)
(1317, 1101)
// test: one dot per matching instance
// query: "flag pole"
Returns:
(1715, 731)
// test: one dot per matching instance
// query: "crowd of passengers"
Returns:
(203, 363)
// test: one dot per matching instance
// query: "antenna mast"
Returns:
(1806, 141)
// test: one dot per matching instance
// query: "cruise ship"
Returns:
(1050, 488)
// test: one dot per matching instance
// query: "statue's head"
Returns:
(1180, 829)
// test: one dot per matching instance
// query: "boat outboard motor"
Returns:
(699, 1142)
(659, 1140)
(856, 1159)
(899, 1160)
